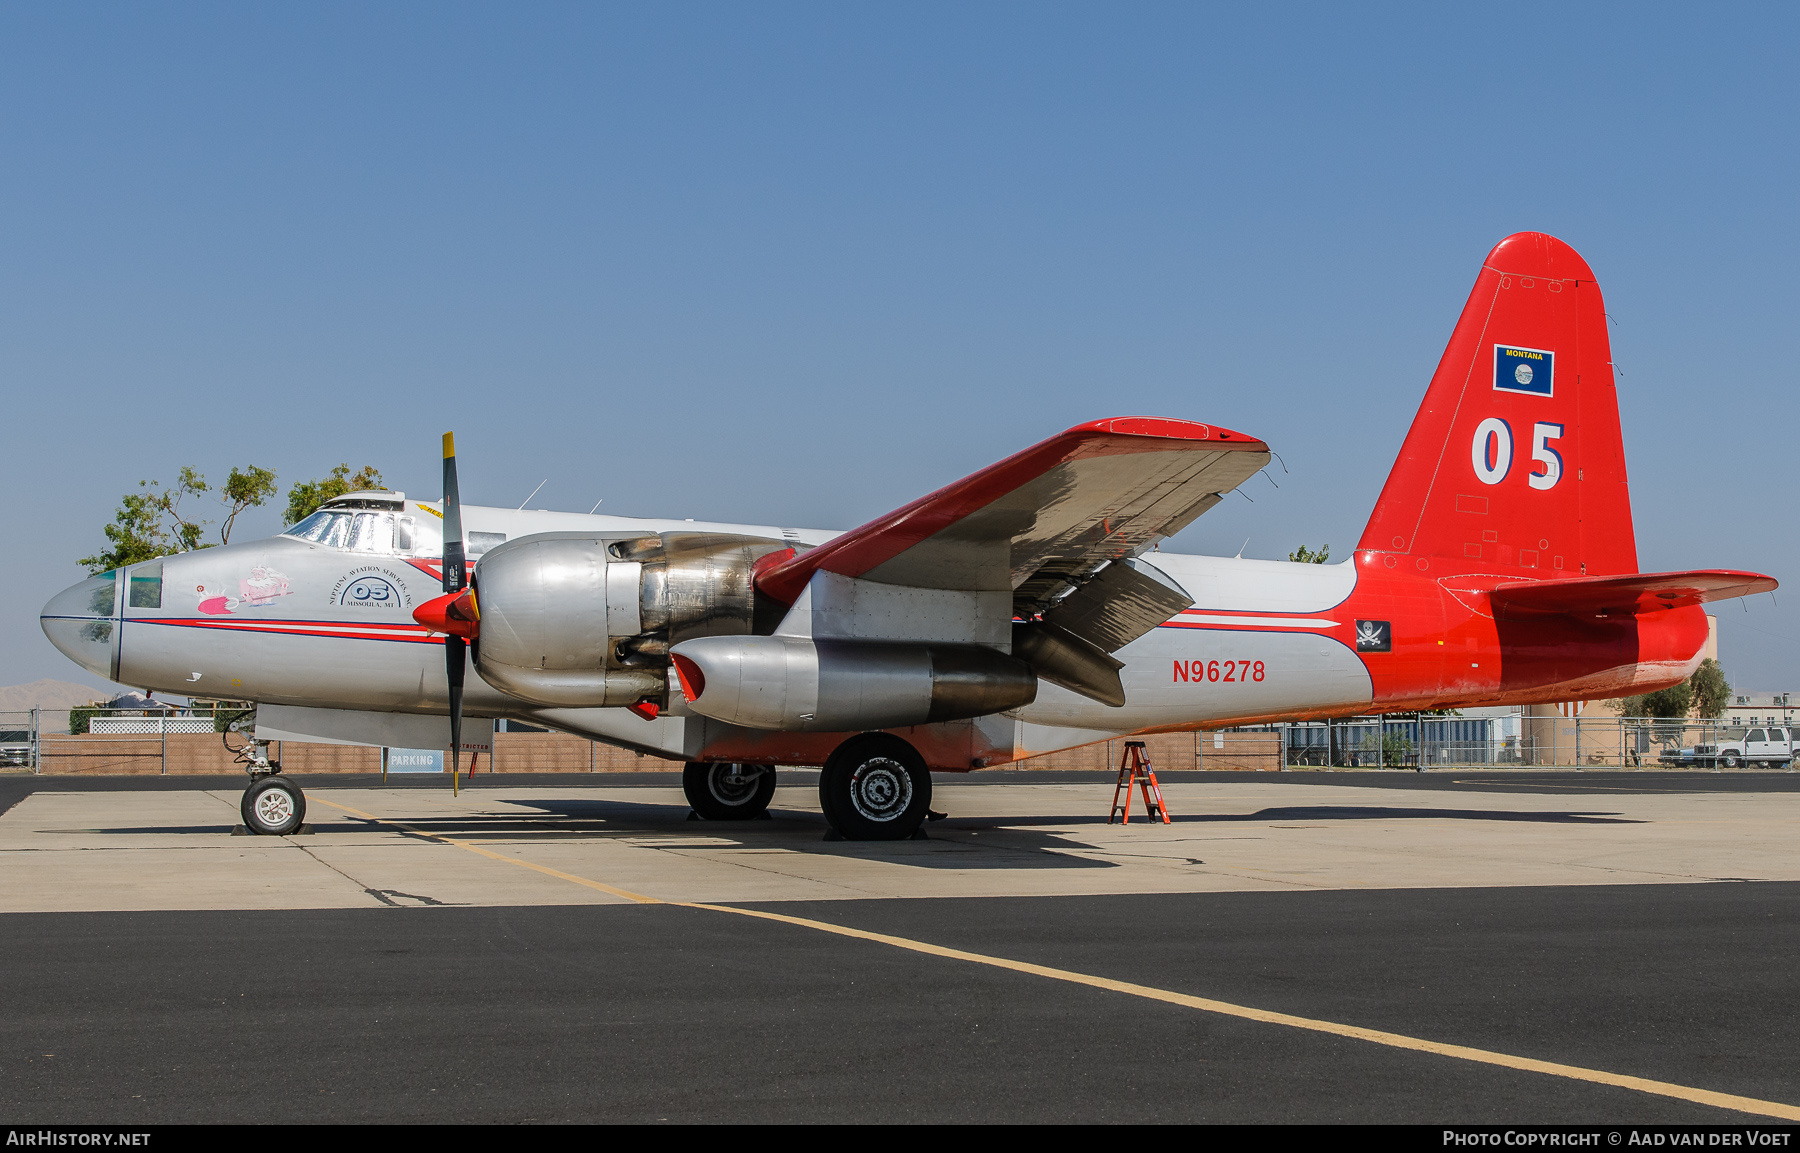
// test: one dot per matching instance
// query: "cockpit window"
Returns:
(314, 527)
(373, 532)
(361, 531)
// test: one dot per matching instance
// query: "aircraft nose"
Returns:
(81, 622)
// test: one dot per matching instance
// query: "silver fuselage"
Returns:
(326, 625)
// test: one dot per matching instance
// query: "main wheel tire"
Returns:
(875, 787)
(273, 807)
(1729, 760)
(724, 791)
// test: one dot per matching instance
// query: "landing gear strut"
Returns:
(875, 787)
(726, 791)
(272, 806)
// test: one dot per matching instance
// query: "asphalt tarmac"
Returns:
(620, 1011)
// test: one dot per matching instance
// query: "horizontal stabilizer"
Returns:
(1638, 594)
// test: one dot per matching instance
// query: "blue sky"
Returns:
(800, 263)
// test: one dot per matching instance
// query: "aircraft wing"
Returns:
(1636, 594)
(1046, 520)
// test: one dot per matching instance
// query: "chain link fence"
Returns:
(183, 741)
(1526, 740)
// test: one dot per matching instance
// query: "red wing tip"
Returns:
(1168, 428)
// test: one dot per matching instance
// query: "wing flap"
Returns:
(1126, 600)
(1635, 594)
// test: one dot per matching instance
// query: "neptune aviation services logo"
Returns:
(371, 587)
(1526, 370)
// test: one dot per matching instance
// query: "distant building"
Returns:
(1755, 707)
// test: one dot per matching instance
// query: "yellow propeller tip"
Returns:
(449, 445)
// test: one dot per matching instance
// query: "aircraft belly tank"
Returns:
(806, 685)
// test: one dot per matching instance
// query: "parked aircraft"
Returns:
(1014, 612)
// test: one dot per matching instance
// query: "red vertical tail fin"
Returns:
(1515, 465)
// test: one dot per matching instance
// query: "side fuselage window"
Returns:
(480, 542)
(146, 587)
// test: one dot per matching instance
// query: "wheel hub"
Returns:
(274, 807)
(733, 784)
(881, 789)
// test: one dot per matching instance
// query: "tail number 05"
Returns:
(1491, 453)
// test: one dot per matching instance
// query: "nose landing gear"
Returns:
(272, 806)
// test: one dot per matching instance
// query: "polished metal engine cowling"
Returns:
(574, 619)
(799, 684)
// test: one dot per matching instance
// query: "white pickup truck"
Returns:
(1774, 747)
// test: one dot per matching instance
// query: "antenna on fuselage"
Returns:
(1241, 548)
(534, 492)
(596, 507)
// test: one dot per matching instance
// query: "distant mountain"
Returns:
(49, 695)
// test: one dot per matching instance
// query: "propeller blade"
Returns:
(455, 571)
(454, 669)
(456, 578)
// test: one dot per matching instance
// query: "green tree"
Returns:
(138, 530)
(1706, 693)
(1307, 556)
(1712, 693)
(305, 498)
(1669, 703)
(244, 488)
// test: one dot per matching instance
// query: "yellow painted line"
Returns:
(627, 894)
(1750, 1105)
(1226, 1008)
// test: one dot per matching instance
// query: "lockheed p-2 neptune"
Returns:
(1017, 611)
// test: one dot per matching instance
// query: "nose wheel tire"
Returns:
(273, 807)
(724, 791)
(875, 788)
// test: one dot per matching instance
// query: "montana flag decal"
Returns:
(1526, 370)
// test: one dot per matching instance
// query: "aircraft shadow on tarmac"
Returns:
(955, 847)
(1009, 842)
(952, 848)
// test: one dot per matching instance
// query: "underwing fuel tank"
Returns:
(798, 684)
(581, 620)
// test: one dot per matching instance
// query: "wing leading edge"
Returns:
(1054, 531)
(1043, 521)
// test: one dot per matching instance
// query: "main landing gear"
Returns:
(272, 806)
(726, 791)
(875, 787)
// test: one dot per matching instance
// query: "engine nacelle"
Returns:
(577, 620)
(797, 684)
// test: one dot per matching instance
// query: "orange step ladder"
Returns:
(1134, 769)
